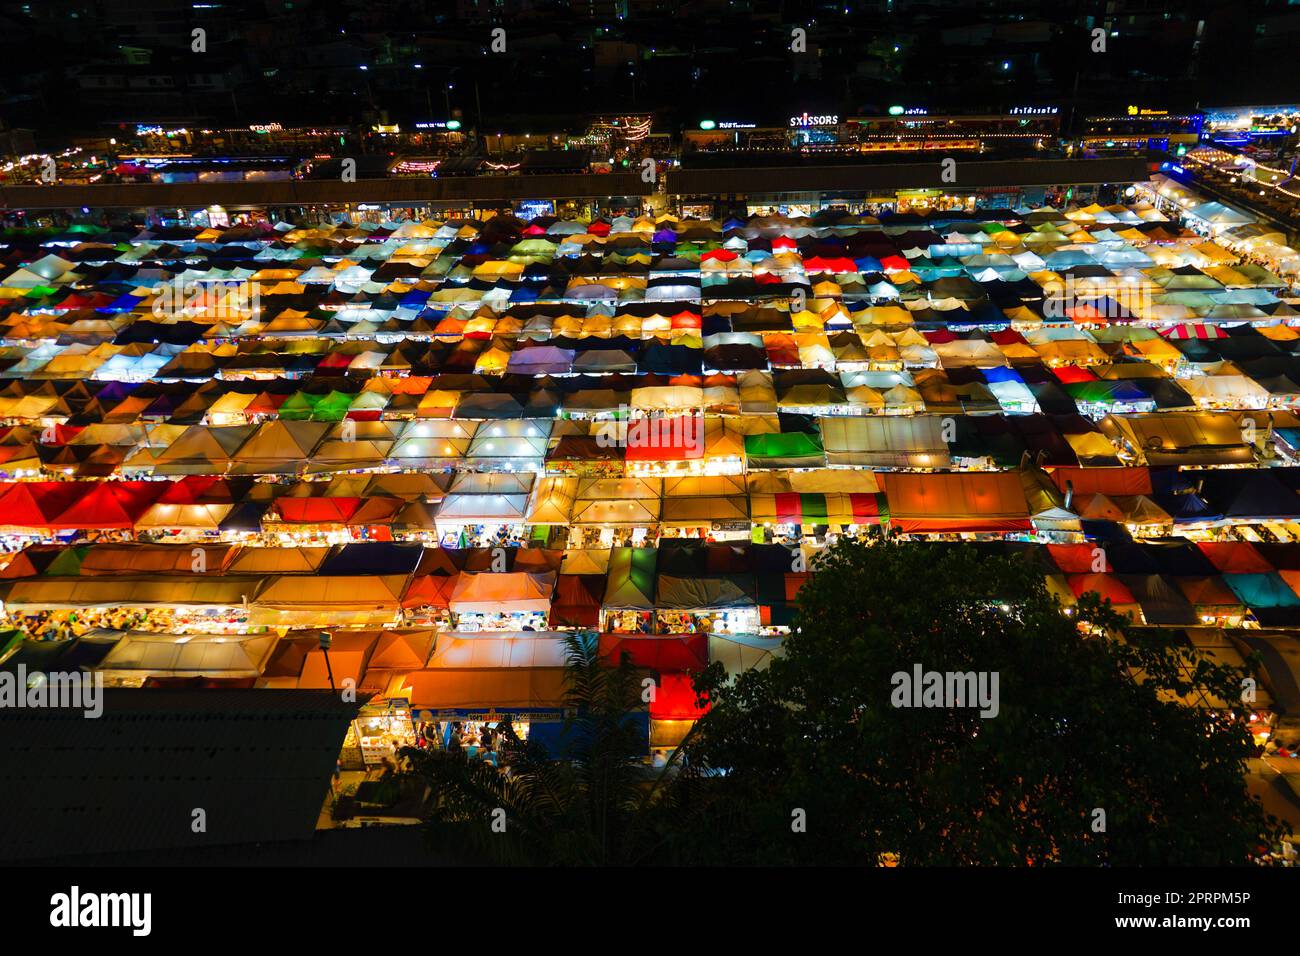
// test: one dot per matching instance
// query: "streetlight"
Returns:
(325, 640)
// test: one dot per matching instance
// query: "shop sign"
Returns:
(730, 526)
(815, 119)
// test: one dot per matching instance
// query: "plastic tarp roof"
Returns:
(586, 561)
(371, 592)
(515, 591)
(154, 559)
(349, 656)
(974, 501)
(404, 649)
(1281, 661)
(784, 450)
(885, 441)
(483, 689)
(205, 655)
(740, 652)
(630, 584)
(704, 509)
(202, 449)
(113, 591)
(577, 600)
(1161, 600)
(302, 560)
(714, 592)
(482, 509)
(675, 699)
(674, 652)
(617, 501)
(552, 501)
(1177, 438)
(278, 446)
(1266, 590)
(523, 438)
(431, 590)
(506, 649)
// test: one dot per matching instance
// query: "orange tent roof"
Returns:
(487, 688)
(974, 501)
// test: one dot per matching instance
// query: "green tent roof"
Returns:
(630, 584)
(783, 445)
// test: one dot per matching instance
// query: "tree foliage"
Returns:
(1088, 721)
(1091, 759)
(592, 806)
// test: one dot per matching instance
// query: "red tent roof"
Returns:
(1107, 585)
(110, 504)
(1235, 557)
(675, 652)
(433, 590)
(317, 510)
(675, 699)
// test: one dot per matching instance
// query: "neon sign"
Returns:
(820, 119)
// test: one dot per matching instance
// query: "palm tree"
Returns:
(592, 804)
